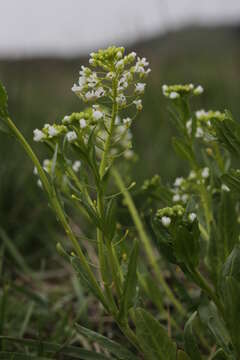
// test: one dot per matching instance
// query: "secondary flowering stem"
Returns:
(100, 197)
(57, 208)
(145, 240)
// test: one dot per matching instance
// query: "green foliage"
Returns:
(153, 338)
(191, 226)
(118, 350)
(190, 343)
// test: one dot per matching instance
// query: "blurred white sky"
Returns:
(66, 27)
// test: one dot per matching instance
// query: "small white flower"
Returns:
(35, 170)
(91, 61)
(205, 173)
(97, 115)
(191, 86)
(189, 126)
(192, 217)
(39, 183)
(178, 181)
(192, 175)
(71, 136)
(199, 132)
(199, 90)
(46, 164)
(138, 104)
(164, 89)
(110, 75)
(176, 198)
(200, 113)
(100, 92)
(119, 64)
(132, 55)
(76, 165)
(184, 198)
(38, 135)
(127, 121)
(52, 131)
(166, 221)
(140, 88)
(90, 95)
(121, 99)
(174, 95)
(66, 119)
(128, 154)
(77, 89)
(119, 55)
(224, 187)
(82, 123)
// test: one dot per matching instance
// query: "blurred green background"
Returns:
(40, 92)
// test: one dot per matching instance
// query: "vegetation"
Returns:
(155, 257)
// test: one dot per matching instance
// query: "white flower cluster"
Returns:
(89, 86)
(176, 91)
(118, 78)
(48, 132)
(204, 128)
(169, 214)
(182, 187)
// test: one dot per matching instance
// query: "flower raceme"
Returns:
(112, 86)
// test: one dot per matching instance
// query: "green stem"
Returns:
(111, 129)
(57, 208)
(100, 197)
(145, 240)
(207, 289)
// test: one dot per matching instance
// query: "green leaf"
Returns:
(3, 101)
(228, 133)
(190, 344)
(83, 276)
(220, 355)
(183, 150)
(46, 347)
(209, 316)
(153, 338)
(232, 180)
(118, 350)
(130, 284)
(232, 265)
(93, 215)
(181, 355)
(227, 224)
(110, 219)
(152, 290)
(163, 241)
(230, 295)
(3, 109)
(186, 245)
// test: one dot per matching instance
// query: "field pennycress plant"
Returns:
(189, 228)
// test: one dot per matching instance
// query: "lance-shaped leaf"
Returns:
(228, 133)
(209, 316)
(153, 338)
(118, 350)
(3, 108)
(130, 284)
(232, 180)
(110, 219)
(220, 355)
(183, 150)
(230, 296)
(190, 344)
